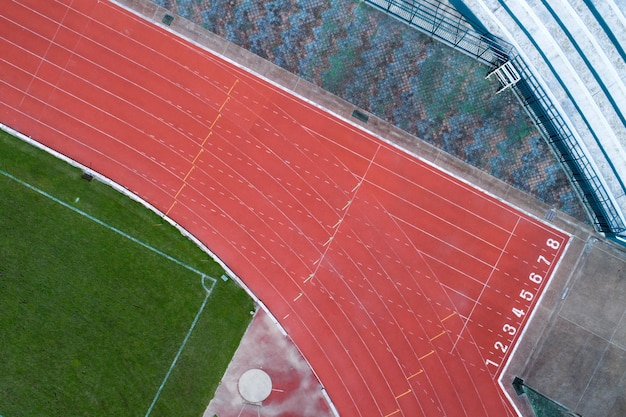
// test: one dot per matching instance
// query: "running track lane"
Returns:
(405, 288)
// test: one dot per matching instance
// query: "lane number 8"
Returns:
(551, 243)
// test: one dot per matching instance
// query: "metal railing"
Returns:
(447, 25)
(578, 167)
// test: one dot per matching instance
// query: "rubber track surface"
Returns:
(405, 288)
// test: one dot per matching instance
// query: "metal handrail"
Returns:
(446, 24)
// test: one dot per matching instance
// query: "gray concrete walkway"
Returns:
(578, 357)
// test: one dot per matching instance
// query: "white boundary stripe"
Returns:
(333, 409)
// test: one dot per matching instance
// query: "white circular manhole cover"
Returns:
(255, 385)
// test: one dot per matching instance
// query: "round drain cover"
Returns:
(255, 385)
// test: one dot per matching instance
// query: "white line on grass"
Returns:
(180, 350)
(100, 222)
(204, 277)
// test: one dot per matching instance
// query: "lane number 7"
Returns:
(541, 258)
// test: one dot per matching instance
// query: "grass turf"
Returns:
(91, 321)
(545, 407)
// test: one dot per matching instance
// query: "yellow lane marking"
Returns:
(183, 184)
(440, 334)
(404, 393)
(233, 86)
(395, 412)
(193, 163)
(427, 355)
(215, 121)
(446, 318)
(171, 207)
(207, 138)
(187, 176)
(223, 104)
(416, 373)
(195, 159)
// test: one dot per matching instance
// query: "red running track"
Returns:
(405, 288)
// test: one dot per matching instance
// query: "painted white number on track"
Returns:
(490, 362)
(526, 295)
(541, 259)
(536, 278)
(554, 244)
(507, 328)
(500, 346)
(510, 329)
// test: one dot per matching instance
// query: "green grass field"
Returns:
(90, 320)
